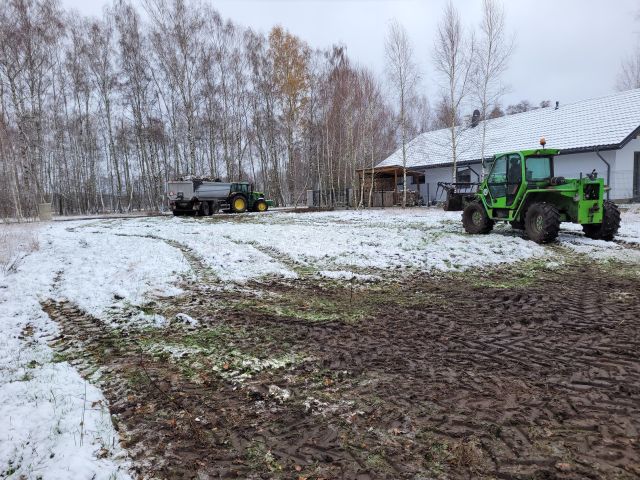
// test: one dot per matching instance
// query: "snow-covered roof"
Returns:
(600, 123)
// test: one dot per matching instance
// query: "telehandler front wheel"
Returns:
(475, 219)
(542, 222)
(609, 226)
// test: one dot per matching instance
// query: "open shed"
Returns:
(385, 186)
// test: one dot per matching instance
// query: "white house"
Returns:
(601, 134)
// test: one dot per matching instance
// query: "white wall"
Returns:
(622, 178)
(570, 166)
(442, 174)
(573, 164)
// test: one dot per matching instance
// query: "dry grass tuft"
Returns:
(16, 242)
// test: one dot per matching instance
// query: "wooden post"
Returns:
(395, 185)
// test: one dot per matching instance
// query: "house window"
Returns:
(463, 176)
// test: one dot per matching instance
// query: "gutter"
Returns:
(608, 171)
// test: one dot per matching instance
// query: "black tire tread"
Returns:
(467, 219)
(608, 229)
(551, 226)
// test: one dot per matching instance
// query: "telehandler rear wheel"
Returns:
(609, 226)
(542, 222)
(475, 219)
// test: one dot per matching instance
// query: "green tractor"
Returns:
(521, 189)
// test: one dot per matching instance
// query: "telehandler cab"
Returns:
(521, 189)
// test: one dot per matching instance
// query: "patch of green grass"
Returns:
(437, 455)
(136, 378)
(376, 462)
(59, 357)
(259, 458)
(309, 307)
(517, 275)
(148, 309)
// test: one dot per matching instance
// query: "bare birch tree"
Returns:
(492, 54)
(403, 75)
(453, 61)
(629, 74)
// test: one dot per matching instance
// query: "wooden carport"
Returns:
(385, 185)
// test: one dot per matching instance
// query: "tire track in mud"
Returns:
(301, 269)
(461, 382)
(168, 424)
(173, 427)
(542, 382)
(200, 269)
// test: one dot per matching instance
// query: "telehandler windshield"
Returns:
(538, 169)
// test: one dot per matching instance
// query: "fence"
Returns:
(343, 198)
(348, 198)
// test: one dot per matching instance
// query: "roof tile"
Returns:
(586, 124)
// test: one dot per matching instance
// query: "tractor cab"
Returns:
(241, 187)
(513, 173)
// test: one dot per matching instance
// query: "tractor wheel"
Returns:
(261, 206)
(204, 209)
(517, 225)
(238, 204)
(475, 219)
(609, 226)
(542, 222)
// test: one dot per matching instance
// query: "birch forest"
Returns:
(96, 114)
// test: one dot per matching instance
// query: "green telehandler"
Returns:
(521, 189)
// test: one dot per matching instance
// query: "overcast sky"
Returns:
(566, 50)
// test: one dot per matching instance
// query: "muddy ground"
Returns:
(525, 371)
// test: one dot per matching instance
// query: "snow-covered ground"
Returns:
(56, 423)
(347, 243)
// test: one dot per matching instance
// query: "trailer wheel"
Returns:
(238, 204)
(609, 226)
(475, 219)
(542, 222)
(204, 209)
(261, 206)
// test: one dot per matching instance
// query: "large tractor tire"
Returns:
(609, 226)
(204, 211)
(260, 206)
(475, 219)
(238, 204)
(542, 222)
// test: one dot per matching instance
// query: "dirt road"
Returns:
(508, 374)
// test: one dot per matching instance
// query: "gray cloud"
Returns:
(566, 50)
